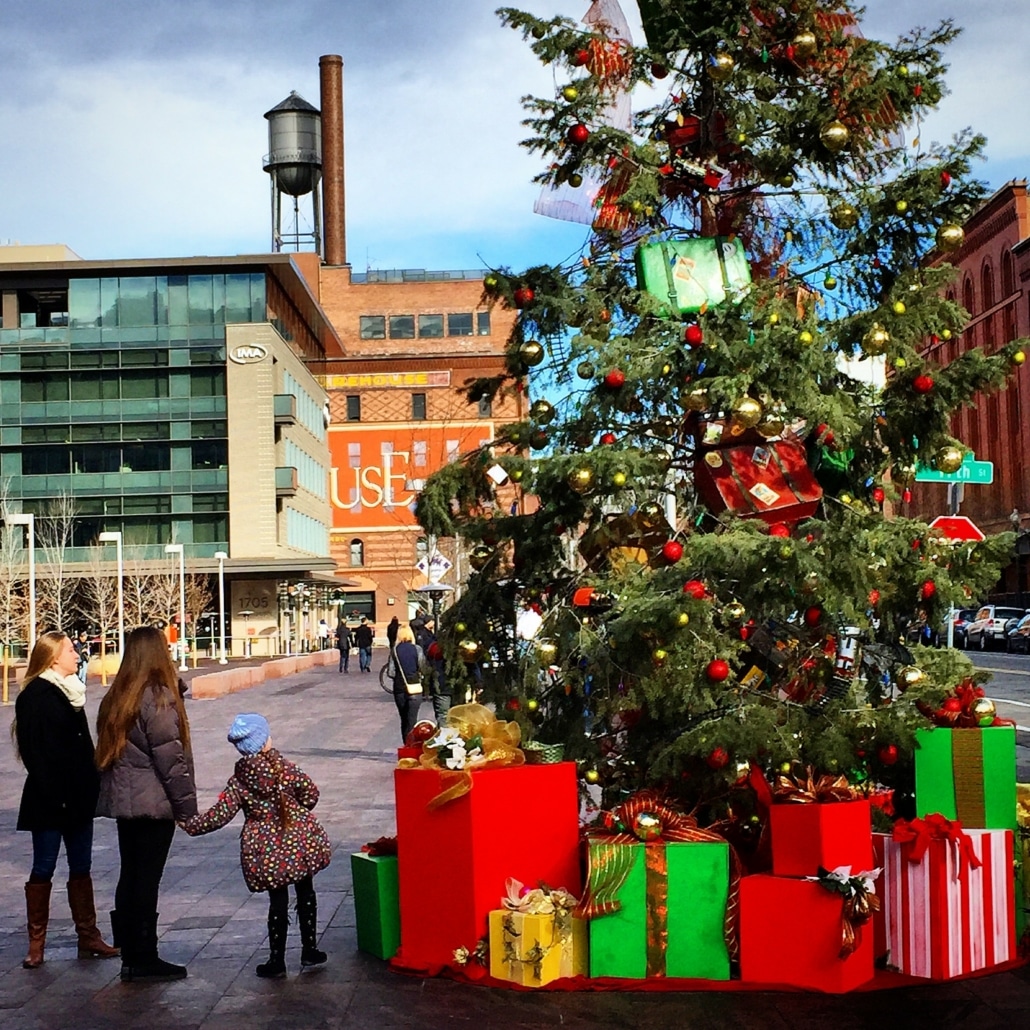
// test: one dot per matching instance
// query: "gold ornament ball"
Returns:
(770, 426)
(834, 136)
(810, 584)
(846, 498)
(1019, 357)
(875, 340)
(619, 479)
(460, 627)
(805, 44)
(548, 649)
(468, 648)
(901, 206)
(899, 307)
(570, 93)
(575, 180)
(734, 611)
(903, 70)
(844, 216)
(542, 411)
(532, 704)
(581, 480)
(747, 412)
(774, 318)
(531, 352)
(741, 770)
(950, 237)
(910, 676)
(786, 550)
(829, 283)
(785, 768)
(901, 363)
(945, 334)
(949, 459)
(591, 776)
(479, 556)
(984, 711)
(683, 619)
(805, 337)
(647, 826)
(786, 180)
(666, 369)
(697, 400)
(720, 67)
(659, 655)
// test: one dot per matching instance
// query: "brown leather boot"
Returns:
(84, 914)
(37, 908)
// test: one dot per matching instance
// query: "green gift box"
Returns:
(691, 275)
(376, 903)
(671, 911)
(968, 775)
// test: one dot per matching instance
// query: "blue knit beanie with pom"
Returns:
(249, 733)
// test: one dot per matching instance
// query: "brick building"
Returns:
(993, 267)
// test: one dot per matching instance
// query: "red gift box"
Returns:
(409, 751)
(827, 834)
(790, 934)
(771, 481)
(453, 861)
(941, 916)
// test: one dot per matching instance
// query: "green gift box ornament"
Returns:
(376, 903)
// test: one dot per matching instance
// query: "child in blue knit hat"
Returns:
(281, 842)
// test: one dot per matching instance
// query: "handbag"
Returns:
(412, 688)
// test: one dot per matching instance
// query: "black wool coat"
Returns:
(63, 784)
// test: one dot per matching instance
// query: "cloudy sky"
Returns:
(134, 129)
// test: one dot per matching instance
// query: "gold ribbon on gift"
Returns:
(856, 910)
(654, 823)
(967, 764)
(812, 789)
(498, 743)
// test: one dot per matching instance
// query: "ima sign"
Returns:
(378, 469)
(248, 353)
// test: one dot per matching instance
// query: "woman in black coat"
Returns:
(408, 665)
(59, 799)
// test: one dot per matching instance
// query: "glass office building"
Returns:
(115, 391)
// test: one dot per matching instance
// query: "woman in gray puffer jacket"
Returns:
(147, 785)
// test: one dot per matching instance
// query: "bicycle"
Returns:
(386, 675)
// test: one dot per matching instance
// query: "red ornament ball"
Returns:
(779, 529)
(879, 494)
(906, 497)
(672, 551)
(523, 296)
(718, 759)
(695, 589)
(717, 670)
(952, 704)
(659, 71)
(615, 378)
(578, 134)
(692, 335)
(945, 179)
(813, 615)
(579, 58)
(608, 438)
(874, 597)
(928, 589)
(824, 434)
(888, 754)
(922, 383)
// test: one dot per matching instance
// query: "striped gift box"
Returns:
(941, 917)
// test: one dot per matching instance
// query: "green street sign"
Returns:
(971, 471)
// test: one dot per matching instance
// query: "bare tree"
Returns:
(13, 576)
(55, 587)
(198, 600)
(98, 594)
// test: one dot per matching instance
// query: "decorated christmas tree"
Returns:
(692, 562)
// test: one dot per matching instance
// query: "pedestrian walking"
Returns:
(146, 784)
(439, 688)
(409, 666)
(281, 842)
(391, 631)
(82, 652)
(344, 642)
(59, 799)
(364, 635)
(323, 634)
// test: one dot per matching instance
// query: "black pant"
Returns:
(407, 705)
(279, 897)
(143, 846)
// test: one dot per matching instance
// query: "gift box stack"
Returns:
(804, 925)
(949, 890)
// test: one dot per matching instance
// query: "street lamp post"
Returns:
(178, 549)
(105, 538)
(221, 556)
(29, 521)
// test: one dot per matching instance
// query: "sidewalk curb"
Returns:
(229, 681)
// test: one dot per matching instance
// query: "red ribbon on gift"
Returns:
(915, 836)
(380, 847)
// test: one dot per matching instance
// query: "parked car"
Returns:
(961, 619)
(1018, 636)
(987, 630)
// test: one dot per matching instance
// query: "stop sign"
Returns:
(958, 529)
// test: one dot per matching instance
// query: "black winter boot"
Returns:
(307, 916)
(275, 967)
(140, 961)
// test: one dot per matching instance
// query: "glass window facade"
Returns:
(121, 403)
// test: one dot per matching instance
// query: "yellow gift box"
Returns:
(532, 949)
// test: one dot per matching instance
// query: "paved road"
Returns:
(1009, 687)
(343, 730)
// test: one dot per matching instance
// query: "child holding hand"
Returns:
(281, 842)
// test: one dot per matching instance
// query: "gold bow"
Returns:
(812, 789)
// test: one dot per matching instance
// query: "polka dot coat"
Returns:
(272, 854)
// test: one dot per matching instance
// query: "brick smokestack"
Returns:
(330, 69)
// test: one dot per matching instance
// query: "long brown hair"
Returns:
(46, 651)
(146, 664)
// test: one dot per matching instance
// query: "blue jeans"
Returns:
(78, 849)
(344, 659)
(365, 658)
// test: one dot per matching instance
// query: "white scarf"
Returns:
(71, 686)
